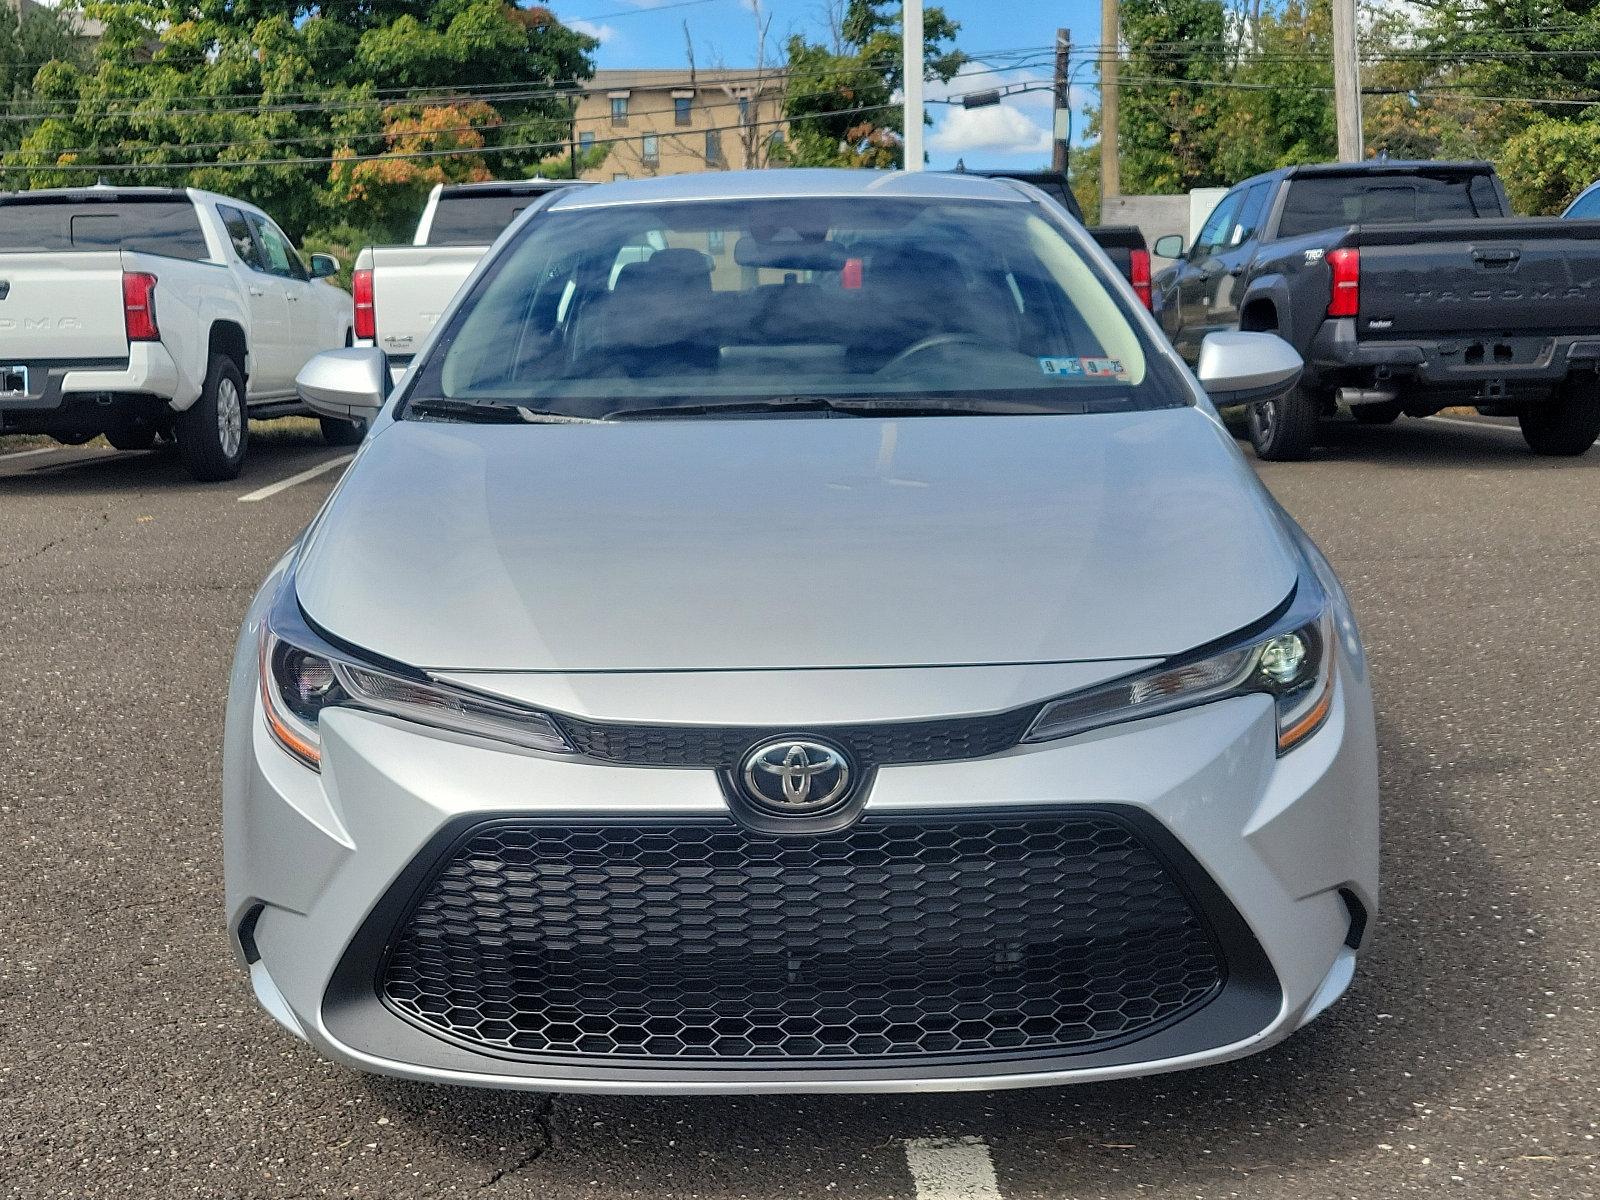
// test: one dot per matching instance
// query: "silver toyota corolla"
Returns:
(798, 631)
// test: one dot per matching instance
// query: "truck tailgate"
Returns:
(65, 307)
(411, 288)
(1533, 274)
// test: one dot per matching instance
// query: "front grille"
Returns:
(705, 941)
(721, 746)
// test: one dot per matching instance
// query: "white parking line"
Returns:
(952, 1169)
(272, 489)
(31, 453)
(1476, 424)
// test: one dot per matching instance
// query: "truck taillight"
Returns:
(366, 315)
(139, 306)
(1344, 299)
(1139, 274)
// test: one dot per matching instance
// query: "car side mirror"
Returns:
(350, 385)
(1169, 245)
(323, 265)
(1247, 368)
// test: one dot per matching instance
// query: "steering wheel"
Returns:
(934, 342)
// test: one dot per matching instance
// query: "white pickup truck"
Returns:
(401, 291)
(138, 312)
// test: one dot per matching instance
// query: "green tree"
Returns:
(1548, 163)
(1168, 130)
(839, 101)
(200, 84)
(40, 36)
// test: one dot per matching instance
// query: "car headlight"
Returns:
(1292, 662)
(302, 675)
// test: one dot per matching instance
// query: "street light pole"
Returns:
(911, 73)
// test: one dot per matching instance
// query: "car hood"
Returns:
(731, 544)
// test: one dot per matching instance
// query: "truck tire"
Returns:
(1567, 424)
(1285, 430)
(1378, 414)
(213, 432)
(342, 433)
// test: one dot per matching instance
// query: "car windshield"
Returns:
(834, 304)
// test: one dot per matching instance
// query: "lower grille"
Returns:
(695, 941)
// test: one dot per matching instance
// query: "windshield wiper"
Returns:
(731, 408)
(495, 412)
(844, 405)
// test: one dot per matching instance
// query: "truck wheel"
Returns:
(342, 433)
(1285, 430)
(213, 432)
(1377, 414)
(139, 437)
(1567, 424)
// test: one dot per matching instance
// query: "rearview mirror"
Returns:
(1168, 246)
(1247, 368)
(348, 384)
(323, 265)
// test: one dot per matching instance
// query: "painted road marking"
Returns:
(1476, 424)
(952, 1169)
(272, 489)
(31, 453)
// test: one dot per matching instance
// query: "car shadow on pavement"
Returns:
(276, 450)
(1424, 443)
(1437, 1000)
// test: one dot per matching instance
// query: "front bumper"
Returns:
(1472, 364)
(314, 860)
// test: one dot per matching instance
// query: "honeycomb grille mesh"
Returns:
(942, 740)
(705, 941)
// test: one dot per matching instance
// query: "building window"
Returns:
(775, 138)
(681, 106)
(619, 110)
(713, 146)
(744, 110)
(618, 176)
(652, 150)
(586, 140)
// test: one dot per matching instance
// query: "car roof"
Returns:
(792, 183)
(508, 187)
(1374, 166)
(98, 191)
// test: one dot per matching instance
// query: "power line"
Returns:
(328, 160)
(477, 127)
(557, 90)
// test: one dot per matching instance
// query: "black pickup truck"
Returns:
(1407, 287)
(1124, 244)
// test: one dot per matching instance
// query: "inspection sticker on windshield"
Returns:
(1104, 368)
(1061, 366)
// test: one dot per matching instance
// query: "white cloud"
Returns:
(1001, 129)
(604, 33)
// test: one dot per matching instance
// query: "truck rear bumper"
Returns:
(1478, 364)
(149, 370)
(95, 395)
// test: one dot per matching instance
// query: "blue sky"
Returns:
(649, 33)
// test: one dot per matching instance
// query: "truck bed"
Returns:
(1508, 276)
(411, 288)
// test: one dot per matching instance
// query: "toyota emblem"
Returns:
(794, 775)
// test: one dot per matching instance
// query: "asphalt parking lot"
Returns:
(133, 1062)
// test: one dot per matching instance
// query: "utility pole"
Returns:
(1062, 133)
(911, 72)
(1110, 54)
(1347, 81)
